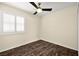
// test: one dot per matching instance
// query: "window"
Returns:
(19, 23)
(11, 23)
(8, 23)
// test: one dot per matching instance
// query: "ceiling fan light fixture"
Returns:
(39, 10)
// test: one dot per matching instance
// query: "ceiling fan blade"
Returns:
(32, 3)
(47, 9)
(35, 13)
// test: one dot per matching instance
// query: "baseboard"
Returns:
(17, 46)
(58, 44)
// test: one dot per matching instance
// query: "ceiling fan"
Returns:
(39, 9)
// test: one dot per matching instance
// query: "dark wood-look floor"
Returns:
(40, 48)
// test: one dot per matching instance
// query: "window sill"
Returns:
(11, 33)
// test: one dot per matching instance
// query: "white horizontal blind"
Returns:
(11, 23)
(8, 23)
(19, 23)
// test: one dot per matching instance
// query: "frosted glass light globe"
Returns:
(39, 10)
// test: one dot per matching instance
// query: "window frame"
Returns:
(19, 23)
(2, 32)
(8, 23)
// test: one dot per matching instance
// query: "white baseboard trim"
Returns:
(17, 46)
(58, 44)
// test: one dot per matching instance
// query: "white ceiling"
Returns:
(26, 6)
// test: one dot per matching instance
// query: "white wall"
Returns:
(61, 27)
(16, 39)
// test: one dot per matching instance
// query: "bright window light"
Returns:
(8, 23)
(19, 23)
(11, 23)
